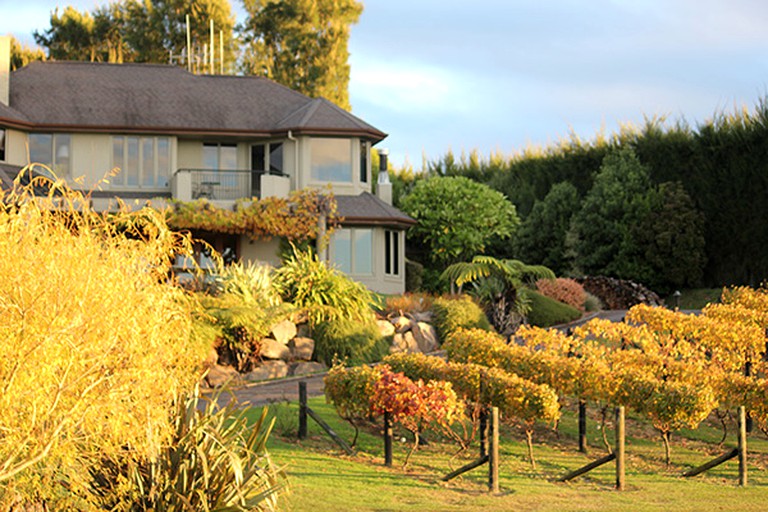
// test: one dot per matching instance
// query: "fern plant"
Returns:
(500, 285)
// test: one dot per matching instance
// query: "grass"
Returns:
(322, 479)
(695, 298)
(546, 312)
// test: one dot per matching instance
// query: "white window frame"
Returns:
(121, 179)
(3, 145)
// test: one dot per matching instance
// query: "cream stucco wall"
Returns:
(260, 250)
(16, 148)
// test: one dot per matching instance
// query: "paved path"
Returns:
(267, 392)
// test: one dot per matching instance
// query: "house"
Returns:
(176, 135)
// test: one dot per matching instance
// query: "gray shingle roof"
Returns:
(162, 98)
(367, 209)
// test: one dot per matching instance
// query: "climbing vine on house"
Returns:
(294, 218)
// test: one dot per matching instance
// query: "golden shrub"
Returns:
(95, 341)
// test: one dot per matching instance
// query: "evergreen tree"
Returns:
(541, 237)
(21, 55)
(600, 234)
(301, 44)
(140, 31)
(155, 28)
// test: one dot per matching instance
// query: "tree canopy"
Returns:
(302, 44)
(457, 218)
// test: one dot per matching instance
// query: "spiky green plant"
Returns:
(215, 461)
(250, 282)
(323, 293)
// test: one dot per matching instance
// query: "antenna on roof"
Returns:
(189, 47)
(213, 51)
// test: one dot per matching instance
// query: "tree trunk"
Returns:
(667, 454)
(413, 448)
(529, 440)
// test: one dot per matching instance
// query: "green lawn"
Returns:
(321, 478)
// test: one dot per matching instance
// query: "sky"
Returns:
(503, 75)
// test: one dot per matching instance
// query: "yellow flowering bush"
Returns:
(96, 342)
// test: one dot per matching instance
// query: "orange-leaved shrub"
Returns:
(96, 343)
(564, 290)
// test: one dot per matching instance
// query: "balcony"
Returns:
(227, 186)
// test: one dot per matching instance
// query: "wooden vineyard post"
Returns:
(493, 452)
(742, 447)
(617, 455)
(620, 437)
(483, 433)
(302, 410)
(583, 426)
(387, 440)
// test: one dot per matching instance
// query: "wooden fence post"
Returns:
(583, 426)
(387, 440)
(483, 433)
(302, 410)
(493, 452)
(620, 435)
(742, 447)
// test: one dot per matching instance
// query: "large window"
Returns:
(219, 156)
(331, 160)
(392, 253)
(353, 251)
(144, 162)
(2, 145)
(51, 149)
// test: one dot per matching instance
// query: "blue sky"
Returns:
(500, 75)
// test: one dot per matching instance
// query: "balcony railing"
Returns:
(223, 185)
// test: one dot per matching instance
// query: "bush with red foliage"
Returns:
(563, 290)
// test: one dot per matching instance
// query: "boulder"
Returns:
(307, 367)
(385, 328)
(302, 348)
(268, 370)
(273, 349)
(402, 323)
(284, 331)
(302, 331)
(212, 359)
(423, 316)
(219, 375)
(426, 337)
(404, 342)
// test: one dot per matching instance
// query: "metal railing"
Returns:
(217, 184)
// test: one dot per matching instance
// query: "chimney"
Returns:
(384, 187)
(5, 69)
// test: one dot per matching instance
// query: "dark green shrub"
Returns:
(546, 312)
(356, 341)
(414, 275)
(452, 313)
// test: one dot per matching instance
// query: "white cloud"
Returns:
(405, 87)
